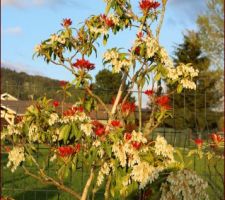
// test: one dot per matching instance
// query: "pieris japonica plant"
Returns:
(119, 155)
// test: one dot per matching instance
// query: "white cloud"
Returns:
(13, 30)
(21, 67)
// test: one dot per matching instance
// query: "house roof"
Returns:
(19, 108)
(7, 96)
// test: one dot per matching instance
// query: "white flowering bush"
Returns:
(118, 155)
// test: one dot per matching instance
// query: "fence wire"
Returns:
(22, 187)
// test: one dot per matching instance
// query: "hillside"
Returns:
(22, 85)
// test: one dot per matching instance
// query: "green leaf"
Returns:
(191, 152)
(107, 9)
(64, 132)
(108, 149)
(157, 77)
(105, 40)
(179, 88)
(76, 132)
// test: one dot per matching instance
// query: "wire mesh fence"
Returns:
(192, 116)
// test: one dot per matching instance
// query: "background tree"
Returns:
(195, 109)
(211, 31)
(107, 85)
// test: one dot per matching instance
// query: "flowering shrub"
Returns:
(119, 156)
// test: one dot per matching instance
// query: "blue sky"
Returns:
(26, 23)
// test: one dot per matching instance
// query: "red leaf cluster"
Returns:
(66, 22)
(72, 111)
(115, 123)
(136, 145)
(107, 21)
(83, 64)
(137, 50)
(62, 83)
(18, 119)
(140, 35)
(198, 142)
(216, 138)
(163, 101)
(149, 92)
(55, 104)
(128, 136)
(65, 151)
(146, 5)
(99, 128)
(128, 107)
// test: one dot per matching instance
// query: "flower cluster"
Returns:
(145, 173)
(16, 156)
(117, 60)
(11, 130)
(53, 119)
(162, 148)
(75, 113)
(127, 152)
(87, 128)
(57, 38)
(33, 133)
(104, 23)
(104, 171)
(148, 44)
(83, 64)
(184, 73)
(185, 185)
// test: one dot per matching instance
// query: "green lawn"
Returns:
(22, 187)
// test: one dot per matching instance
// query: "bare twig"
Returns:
(98, 99)
(119, 94)
(42, 177)
(88, 183)
(139, 107)
(161, 19)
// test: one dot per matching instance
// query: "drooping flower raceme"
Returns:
(185, 185)
(145, 173)
(162, 148)
(16, 156)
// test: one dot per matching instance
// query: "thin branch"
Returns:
(161, 19)
(42, 177)
(139, 107)
(88, 183)
(98, 99)
(61, 64)
(119, 94)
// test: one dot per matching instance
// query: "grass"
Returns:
(22, 187)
